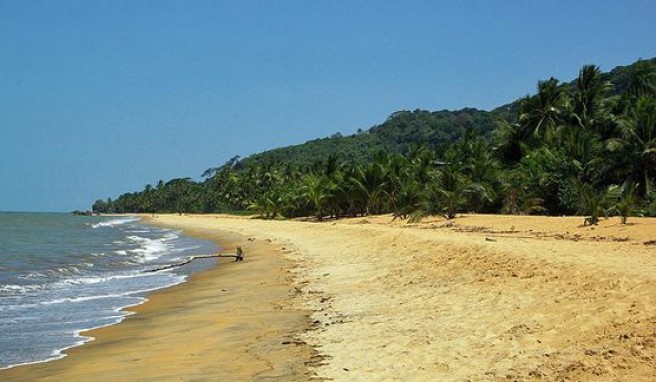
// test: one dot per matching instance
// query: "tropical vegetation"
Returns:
(586, 147)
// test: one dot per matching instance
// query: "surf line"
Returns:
(239, 256)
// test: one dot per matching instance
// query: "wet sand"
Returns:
(483, 297)
(232, 322)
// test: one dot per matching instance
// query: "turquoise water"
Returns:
(62, 274)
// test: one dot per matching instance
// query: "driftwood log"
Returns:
(239, 256)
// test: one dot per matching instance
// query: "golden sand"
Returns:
(231, 323)
(482, 298)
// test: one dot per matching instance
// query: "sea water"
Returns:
(62, 274)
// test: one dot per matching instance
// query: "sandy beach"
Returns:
(234, 322)
(482, 298)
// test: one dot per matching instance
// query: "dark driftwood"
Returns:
(237, 256)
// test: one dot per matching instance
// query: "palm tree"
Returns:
(626, 199)
(181, 196)
(642, 79)
(452, 192)
(530, 183)
(483, 170)
(588, 109)
(351, 199)
(516, 203)
(512, 141)
(591, 202)
(443, 197)
(638, 137)
(542, 113)
(332, 171)
(420, 164)
(373, 181)
(270, 204)
(408, 199)
(316, 190)
(446, 193)
(584, 149)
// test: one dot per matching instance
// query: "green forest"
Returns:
(585, 147)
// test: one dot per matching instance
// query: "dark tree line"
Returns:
(572, 148)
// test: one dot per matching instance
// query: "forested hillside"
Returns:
(583, 147)
(401, 130)
(404, 128)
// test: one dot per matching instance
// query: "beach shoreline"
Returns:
(227, 322)
(481, 297)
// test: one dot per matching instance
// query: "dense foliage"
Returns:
(393, 136)
(587, 147)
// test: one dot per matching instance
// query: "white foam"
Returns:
(82, 339)
(151, 249)
(80, 299)
(115, 222)
(65, 286)
(9, 288)
(184, 249)
(99, 279)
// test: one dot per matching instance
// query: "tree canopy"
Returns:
(585, 147)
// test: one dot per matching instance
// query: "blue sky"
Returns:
(98, 98)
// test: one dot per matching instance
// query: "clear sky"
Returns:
(101, 97)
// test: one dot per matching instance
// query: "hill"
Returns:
(403, 129)
(582, 147)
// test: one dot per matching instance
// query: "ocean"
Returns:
(62, 274)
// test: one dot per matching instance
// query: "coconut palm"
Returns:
(270, 204)
(511, 141)
(591, 202)
(483, 170)
(532, 182)
(588, 109)
(316, 189)
(444, 197)
(408, 199)
(541, 114)
(642, 79)
(454, 187)
(446, 193)
(638, 137)
(583, 148)
(625, 199)
(372, 181)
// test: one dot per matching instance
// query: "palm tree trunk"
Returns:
(646, 175)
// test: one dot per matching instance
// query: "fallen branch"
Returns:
(238, 257)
